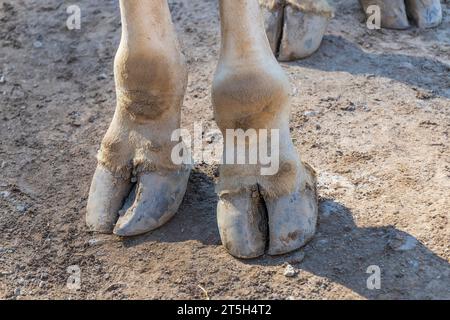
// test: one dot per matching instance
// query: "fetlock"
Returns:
(256, 97)
(150, 88)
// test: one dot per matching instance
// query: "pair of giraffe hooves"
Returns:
(249, 223)
(395, 13)
(117, 205)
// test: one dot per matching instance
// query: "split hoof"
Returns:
(425, 13)
(242, 224)
(295, 29)
(157, 199)
(105, 200)
(395, 13)
(251, 224)
(292, 221)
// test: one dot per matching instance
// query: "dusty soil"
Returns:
(371, 112)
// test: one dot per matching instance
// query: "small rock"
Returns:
(402, 242)
(2, 79)
(102, 76)
(37, 44)
(17, 291)
(310, 113)
(94, 242)
(41, 284)
(289, 271)
(114, 287)
(350, 107)
(424, 95)
(406, 65)
(298, 257)
(5, 194)
(21, 208)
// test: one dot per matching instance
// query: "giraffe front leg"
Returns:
(151, 78)
(258, 210)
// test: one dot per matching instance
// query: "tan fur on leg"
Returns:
(252, 91)
(151, 78)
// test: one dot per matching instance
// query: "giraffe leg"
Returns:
(151, 78)
(256, 211)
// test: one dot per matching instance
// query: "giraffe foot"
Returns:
(295, 29)
(251, 223)
(157, 199)
(152, 202)
(395, 13)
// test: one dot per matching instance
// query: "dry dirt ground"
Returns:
(371, 112)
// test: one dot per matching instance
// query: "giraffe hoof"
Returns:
(292, 221)
(242, 224)
(295, 29)
(251, 224)
(106, 197)
(424, 13)
(157, 199)
(393, 13)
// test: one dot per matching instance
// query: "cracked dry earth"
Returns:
(370, 113)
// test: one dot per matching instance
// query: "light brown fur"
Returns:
(252, 91)
(151, 79)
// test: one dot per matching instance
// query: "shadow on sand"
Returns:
(339, 54)
(340, 252)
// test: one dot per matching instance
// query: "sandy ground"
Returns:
(371, 112)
